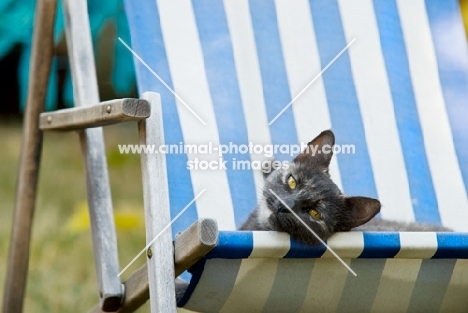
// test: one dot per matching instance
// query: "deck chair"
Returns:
(225, 70)
(225, 73)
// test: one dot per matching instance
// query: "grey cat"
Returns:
(307, 189)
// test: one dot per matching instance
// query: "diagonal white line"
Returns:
(162, 81)
(312, 81)
(161, 232)
(310, 229)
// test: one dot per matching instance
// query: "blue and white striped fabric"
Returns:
(396, 272)
(398, 94)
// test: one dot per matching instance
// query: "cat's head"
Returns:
(306, 188)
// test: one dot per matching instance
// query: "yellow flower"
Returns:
(126, 217)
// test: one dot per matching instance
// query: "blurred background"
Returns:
(114, 65)
(61, 272)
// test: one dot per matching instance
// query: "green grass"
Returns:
(61, 270)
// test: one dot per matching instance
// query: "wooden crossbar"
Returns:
(104, 113)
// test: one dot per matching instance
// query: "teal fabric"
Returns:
(16, 27)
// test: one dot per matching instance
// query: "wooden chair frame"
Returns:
(167, 259)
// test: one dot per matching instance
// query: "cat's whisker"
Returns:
(258, 186)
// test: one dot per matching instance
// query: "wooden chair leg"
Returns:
(41, 58)
(101, 215)
(157, 211)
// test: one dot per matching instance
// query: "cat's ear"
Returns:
(319, 149)
(362, 209)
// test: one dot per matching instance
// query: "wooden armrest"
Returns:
(104, 113)
(189, 246)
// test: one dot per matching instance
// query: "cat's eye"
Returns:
(315, 214)
(292, 182)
